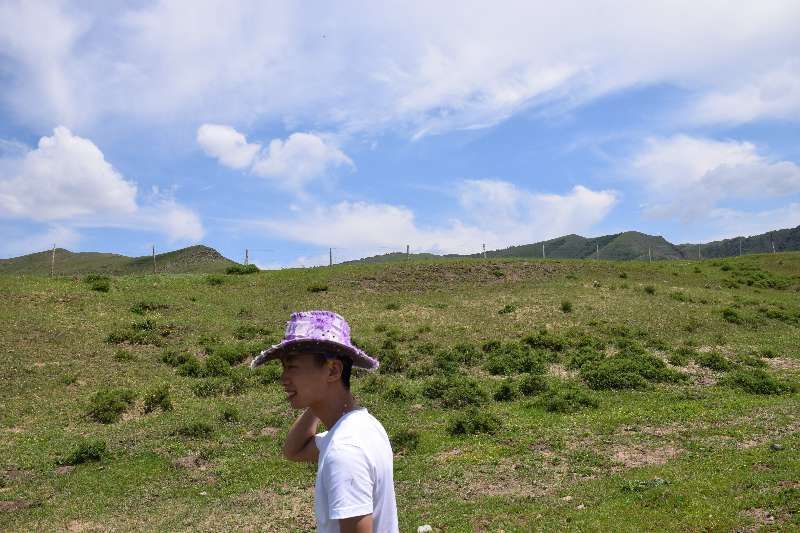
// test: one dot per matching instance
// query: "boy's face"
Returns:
(304, 381)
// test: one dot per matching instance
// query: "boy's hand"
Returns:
(300, 445)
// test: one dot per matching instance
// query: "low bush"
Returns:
(197, 430)
(751, 360)
(649, 289)
(507, 391)
(140, 308)
(506, 309)
(216, 366)
(98, 282)
(405, 440)
(107, 405)
(87, 450)
(124, 356)
(583, 356)
(544, 340)
(191, 368)
(455, 391)
(229, 413)
(473, 421)
(317, 287)
(465, 353)
(566, 306)
(174, 357)
(754, 381)
(238, 381)
(513, 357)
(158, 398)
(623, 275)
(242, 269)
(392, 306)
(532, 384)
(679, 296)
(713, 360)
(393, 361)
(215, 279)
(568, 398)
(732, 315)
(250, 331)
(629, 369)
(234, 353)
(677, 358)
(208, 387)
(398, 392)
(268, 373)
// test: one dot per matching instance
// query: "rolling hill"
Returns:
(194, 259)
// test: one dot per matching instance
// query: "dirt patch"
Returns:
(80, 526)
(15, 505)
(700, 375)
(64, 469)
(448, 454)
(191, 462)
(14, 430)
(633, 455)
(760, 517)
(505, 478)
(287, 508)
(263, 432)
(17, 474)
(783, 363)
(561, 372)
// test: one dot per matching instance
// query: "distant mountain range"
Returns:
(630, 245)
(193, 259)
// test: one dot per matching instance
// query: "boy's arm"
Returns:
(300, 445)
(356, 524)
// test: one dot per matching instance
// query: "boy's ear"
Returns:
(335, 369)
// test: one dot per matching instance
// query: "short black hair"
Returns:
(347, 366)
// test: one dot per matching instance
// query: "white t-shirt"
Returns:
(355, 474)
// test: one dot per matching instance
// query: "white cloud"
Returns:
(727, 223)
(227, 145)
(772, 95)
(66, 179)
(422, 66)
(292, 163)
(17, 243)
(686, 177)
(495, 212)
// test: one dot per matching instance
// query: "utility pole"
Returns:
(773, 247)
(246, 256)
(698, 252)
(543, 256)
(330, 256)
(598, 250)
(408, 250)
(53, 261)
(649, 254)
(484, 250)
(154, 259)
(740, 247)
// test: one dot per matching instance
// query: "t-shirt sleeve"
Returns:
(348, 482)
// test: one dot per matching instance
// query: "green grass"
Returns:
(492, 414)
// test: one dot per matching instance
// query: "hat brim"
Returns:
(302, 346)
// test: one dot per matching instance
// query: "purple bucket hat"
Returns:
(317, 331)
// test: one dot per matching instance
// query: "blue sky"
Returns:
(290, 128)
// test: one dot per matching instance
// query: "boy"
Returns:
(354, 490)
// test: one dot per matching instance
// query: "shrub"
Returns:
(678, 359)
(466, 353)
(768, 353)
(629, 369)
(317, 287)
(544, 340)
(143, 307)
(532, 384)
(196, 430)
(217, 366)
(215, 279)
(731, 315)
(754, 381)
(102, 285)
(508, 308)
(649, 289)
(392, 306)
(268, 373)
(713, 360)
(399, 392)
(455, 391)
(697, 270)
(174, 357)
(566, 306)
(158, 398)
(237, 381)
(513, 357)
(393, 362)
(249, 331)
(190, 368)
(583, 356)
(472, 422)
(567, 399)
(507, 391)
(229, 413)
(623, 275)
(208, 387)
(405, 440)
(233, 353)
(751, 360)
(107, 405)
(85, 451)
(679, 296)
(498, 273)
(242, 269)
(124, 356)
(725, 268)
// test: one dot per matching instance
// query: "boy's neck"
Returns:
(334, 406)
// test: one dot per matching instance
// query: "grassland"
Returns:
(520, 395)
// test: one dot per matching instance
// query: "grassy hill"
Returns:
(199, 258)
(519, 394)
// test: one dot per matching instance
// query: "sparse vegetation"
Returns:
(406, 440)
(472, 422)
(242, 269)
(86, 451)
(107, 405)
(158, 398)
